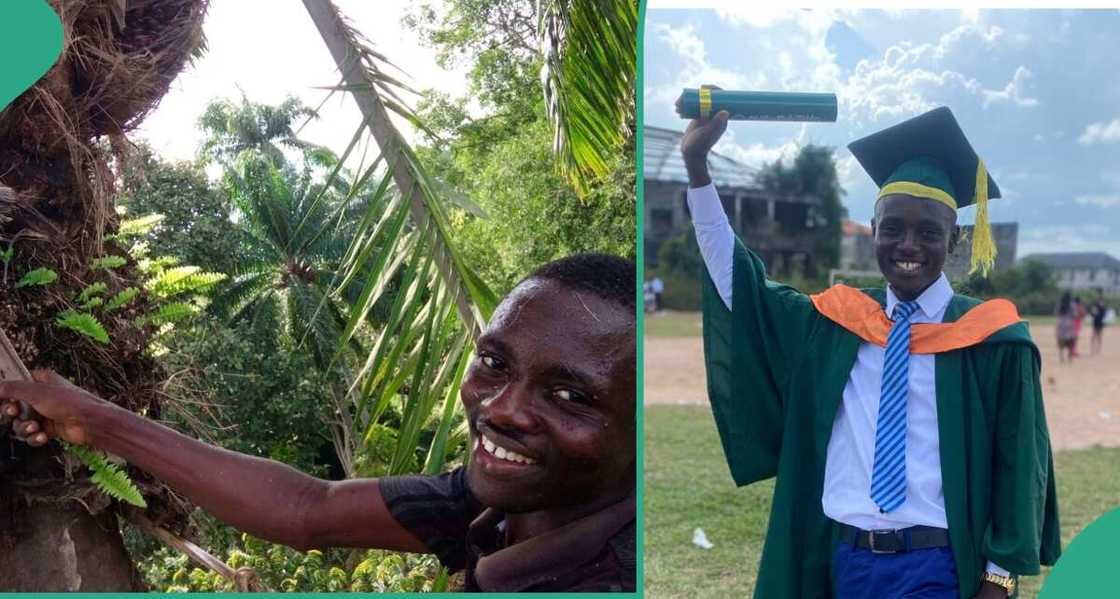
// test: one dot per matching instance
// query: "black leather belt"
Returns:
(894, 541)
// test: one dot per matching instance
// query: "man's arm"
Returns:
(265, 498)
(714, 235)
(1023, 532)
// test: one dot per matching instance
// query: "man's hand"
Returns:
(59, 409)
(699, 138)
(991, 590)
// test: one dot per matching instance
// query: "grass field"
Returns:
(673, 324)
(688, 486)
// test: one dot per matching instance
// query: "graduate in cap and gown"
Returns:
(905, 425)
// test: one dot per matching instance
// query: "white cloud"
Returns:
(757, 154)
(912, 78)
(1101, 133)
(1012, 92)
(1104, 201)
(756, 15)
(686, 44)
(811, 66)
(848, 170)
(683, 41)
(1067, 238)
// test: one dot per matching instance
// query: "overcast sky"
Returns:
(1037, 93)
(270, 49)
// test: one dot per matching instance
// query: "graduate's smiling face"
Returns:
(550, 401)
(912, 238)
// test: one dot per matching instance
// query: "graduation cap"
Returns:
(929, 157)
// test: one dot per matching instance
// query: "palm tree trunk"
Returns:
(59, 546)
(117, 61)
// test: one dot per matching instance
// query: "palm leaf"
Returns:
(363, 74)
(588, 76)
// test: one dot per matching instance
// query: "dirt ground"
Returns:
(1082, 398)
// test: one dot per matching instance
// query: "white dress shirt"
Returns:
(851, 447)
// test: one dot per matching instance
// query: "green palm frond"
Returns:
(234, 128)
(246, 289)
(365, 76)
(589, 74)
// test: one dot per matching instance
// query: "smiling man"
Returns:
(547, 501)
(905, 425)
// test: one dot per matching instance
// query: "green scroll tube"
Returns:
(757, 106)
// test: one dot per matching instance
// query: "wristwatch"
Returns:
(1007, 582)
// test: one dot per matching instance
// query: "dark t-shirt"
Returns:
(1098, 310)
(596, 553)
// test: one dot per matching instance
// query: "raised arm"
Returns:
(713, 232)
(265, 498)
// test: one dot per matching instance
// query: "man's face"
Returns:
(553, 383)
(912, 237)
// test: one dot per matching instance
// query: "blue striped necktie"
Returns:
(888, 477)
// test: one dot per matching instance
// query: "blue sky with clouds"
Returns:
(1037, 92)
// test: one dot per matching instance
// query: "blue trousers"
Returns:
(920, 574)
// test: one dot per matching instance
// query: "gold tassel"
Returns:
(983, 246)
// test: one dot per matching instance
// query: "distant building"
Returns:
(776, 225)
(1082, 270)
(857, 247)
(1006, 236)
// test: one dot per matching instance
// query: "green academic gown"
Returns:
(776, 370)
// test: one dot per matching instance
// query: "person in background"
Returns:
(1079, 313)
(1098, 310)
(658, 287)
(1066, 327)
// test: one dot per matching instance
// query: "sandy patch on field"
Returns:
(1082, 398)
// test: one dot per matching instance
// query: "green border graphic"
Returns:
(640, 255)
(30, 42)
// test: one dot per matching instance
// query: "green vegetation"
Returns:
(108, 476)
(688, 486)
(674, 324)
(38, 277)
(1029, 284)
(812, 172)
(518, 210)
(281, 569)
(339, 339)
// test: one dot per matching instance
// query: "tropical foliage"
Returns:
(280, 568)
(590, 61)
(498, 157)
(355, 287)
(812, 172)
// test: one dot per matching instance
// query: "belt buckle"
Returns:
(871, 541)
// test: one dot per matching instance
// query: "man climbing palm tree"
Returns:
(547, 501)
